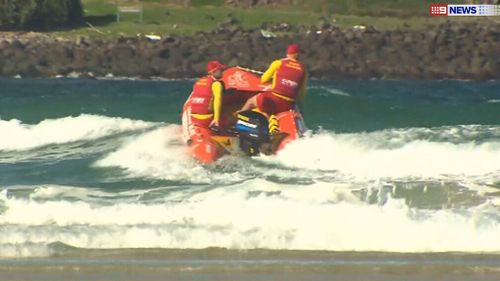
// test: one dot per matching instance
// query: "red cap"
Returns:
(214, 65)
(293, 49)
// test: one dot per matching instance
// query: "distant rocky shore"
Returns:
(446, 51)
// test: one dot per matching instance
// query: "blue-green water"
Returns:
(100, 164)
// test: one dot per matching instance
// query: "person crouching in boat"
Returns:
(206, 98)
(289, 77)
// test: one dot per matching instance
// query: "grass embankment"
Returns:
(163, 17)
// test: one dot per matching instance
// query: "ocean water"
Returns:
(387, 167)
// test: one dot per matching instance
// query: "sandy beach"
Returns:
(219, 264)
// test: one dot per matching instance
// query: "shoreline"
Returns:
(449, 51)
(259, 264)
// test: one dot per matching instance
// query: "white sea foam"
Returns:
(161, 154)
(398, 153)
(19, 136)
(25, 250)
(326, 91)
(254, 214)
(260, 213)
(385, 154)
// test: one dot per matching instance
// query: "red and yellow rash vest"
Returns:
(206, 99)
(289, 79)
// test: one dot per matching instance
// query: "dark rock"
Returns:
(458, 50)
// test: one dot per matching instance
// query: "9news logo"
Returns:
(438, 10)
(464, 10)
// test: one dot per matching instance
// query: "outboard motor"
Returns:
(253, 130)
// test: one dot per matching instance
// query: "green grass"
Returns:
(375, 8)
(163, 17)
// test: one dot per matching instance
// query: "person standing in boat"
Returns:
(289, 78)
(206, 98)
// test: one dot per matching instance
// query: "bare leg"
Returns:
(250, 104)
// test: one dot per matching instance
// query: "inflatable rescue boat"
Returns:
(245, 133)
